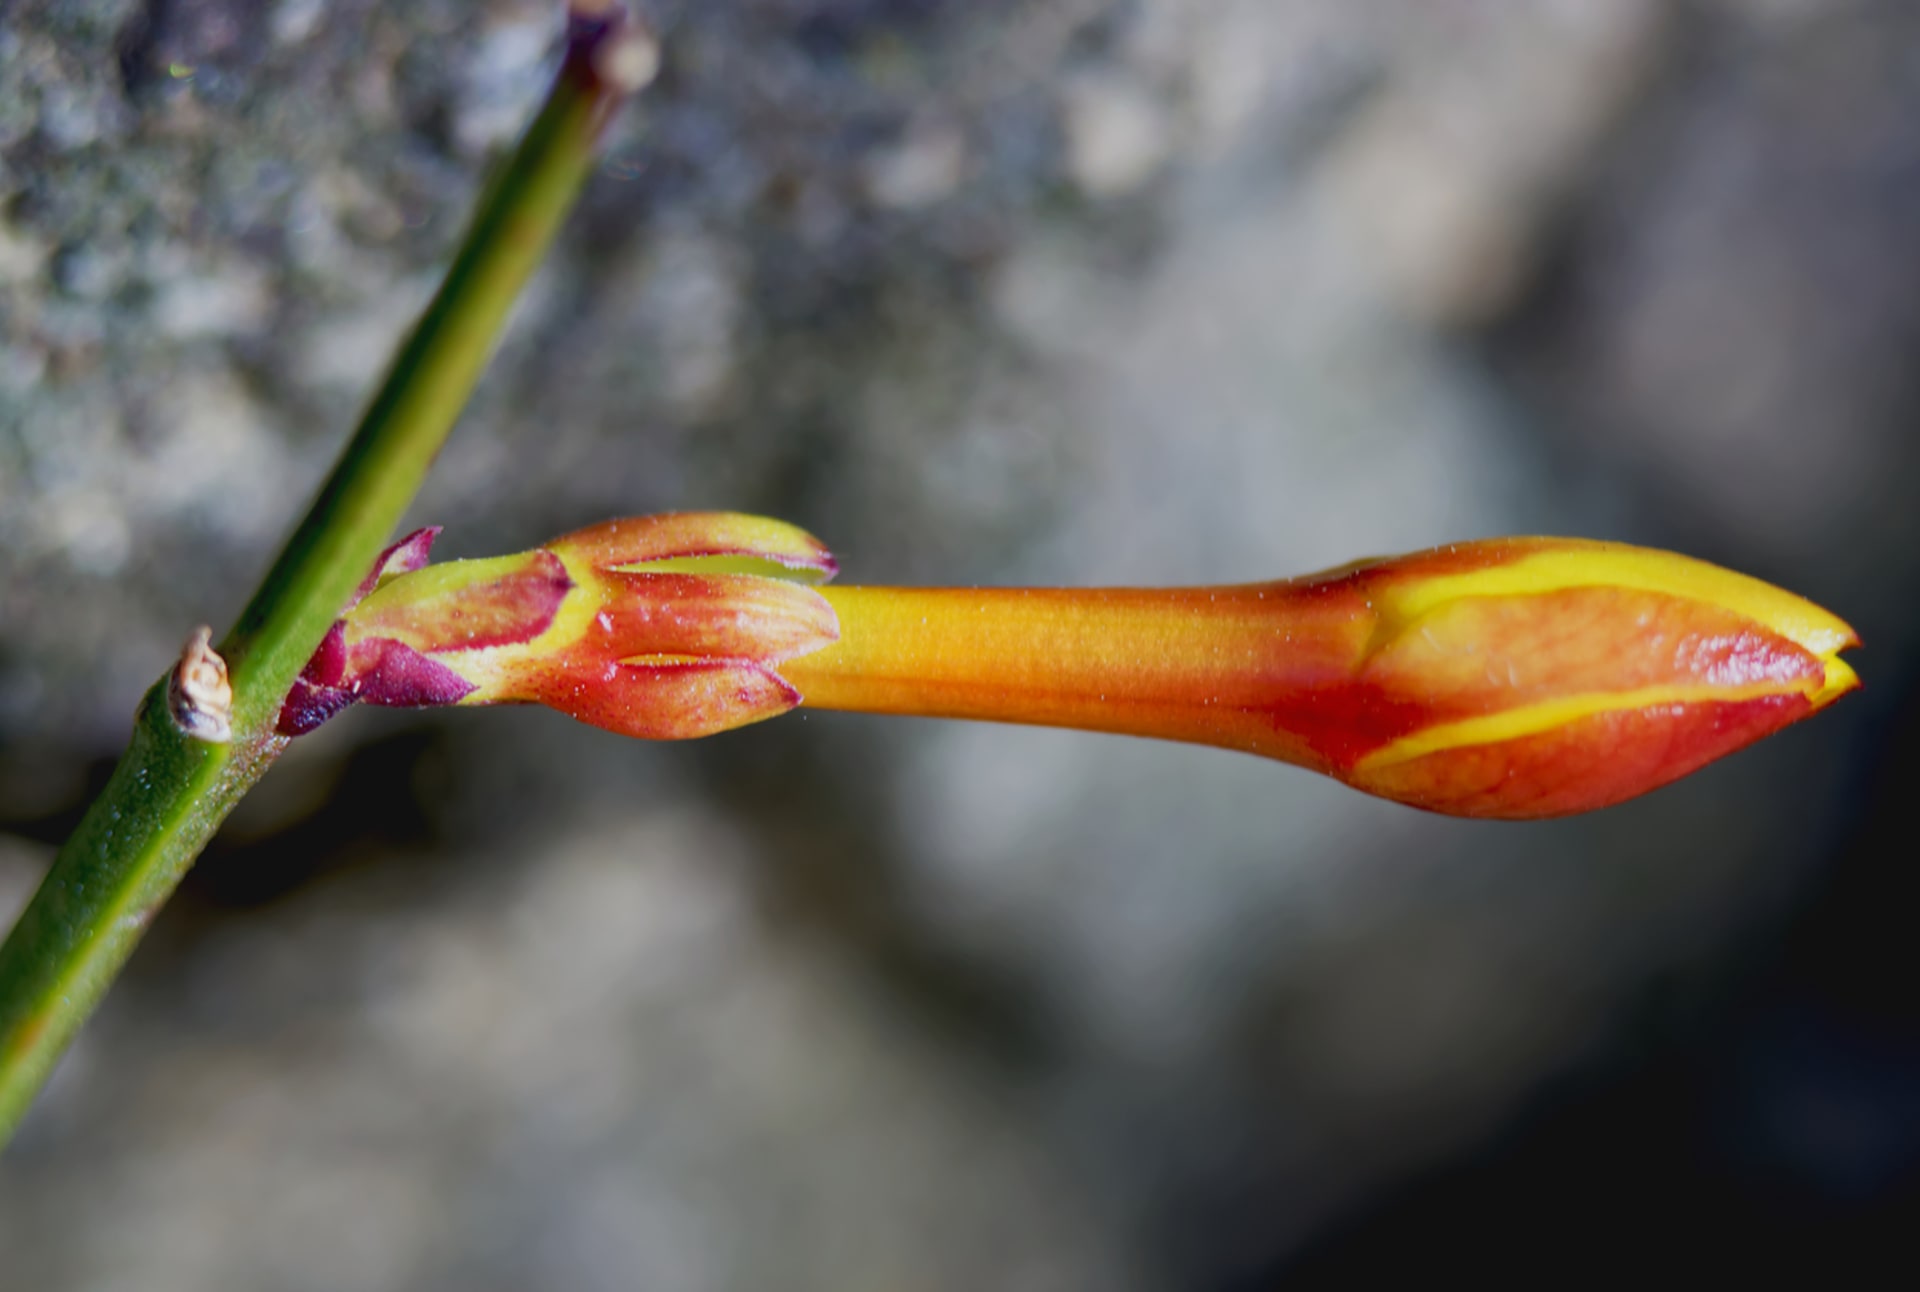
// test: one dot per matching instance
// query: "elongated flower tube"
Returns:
(1513, 678)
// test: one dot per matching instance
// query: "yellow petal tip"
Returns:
(1840, 679)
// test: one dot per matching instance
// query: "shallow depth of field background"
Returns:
(1073, 291)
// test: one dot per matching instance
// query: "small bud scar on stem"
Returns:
(199, 696)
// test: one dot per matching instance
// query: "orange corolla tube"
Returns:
(1512, 678)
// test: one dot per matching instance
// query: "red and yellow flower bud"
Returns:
(1507, 678)
(1510, 678)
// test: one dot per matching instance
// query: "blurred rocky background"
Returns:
(1063, 290)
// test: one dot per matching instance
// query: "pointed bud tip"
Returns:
(1620, 669)
(1840, 679)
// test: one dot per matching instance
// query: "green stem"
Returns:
(171, 791)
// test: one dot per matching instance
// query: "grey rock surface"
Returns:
(1064, 291)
